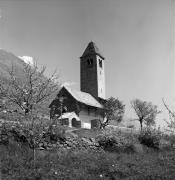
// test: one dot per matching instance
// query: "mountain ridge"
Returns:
(8, 61)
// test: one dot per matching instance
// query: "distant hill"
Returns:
(9, 60)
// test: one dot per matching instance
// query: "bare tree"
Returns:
(171, 122)
(26, 93)
(145, 111)
(114, 110)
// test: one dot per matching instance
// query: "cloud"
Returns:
(27, 59)
(68, 84)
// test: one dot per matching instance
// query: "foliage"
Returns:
(32, 137)
(116, 141)
(55, 133)
(114, 110)
(150, 137)
(20, 133)
(145, 111)
(17, 163)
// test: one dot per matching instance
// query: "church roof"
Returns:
(92, 49)
(84, 98)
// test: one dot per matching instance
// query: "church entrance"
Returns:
(95, 123)
(76, 123)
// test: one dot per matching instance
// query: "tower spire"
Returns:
(92, 74)
(92, 49)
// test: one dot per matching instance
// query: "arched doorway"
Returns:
(76, 123)
(95, 123)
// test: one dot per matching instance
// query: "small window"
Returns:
(100, 63)
(90, 62)
(88, 110)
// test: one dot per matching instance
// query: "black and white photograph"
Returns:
(87, 89)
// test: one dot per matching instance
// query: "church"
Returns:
(84, 108)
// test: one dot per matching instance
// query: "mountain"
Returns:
(9, 60)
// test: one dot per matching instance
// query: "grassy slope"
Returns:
(17, 164)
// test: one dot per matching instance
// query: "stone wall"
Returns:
(47, 141)
(71, 143)
(88, 76)
(92, 77)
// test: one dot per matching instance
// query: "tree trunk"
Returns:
(103, 124)
(141, 124)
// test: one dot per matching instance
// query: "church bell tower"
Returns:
(92, 72)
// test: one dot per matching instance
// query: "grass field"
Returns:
(17, 163)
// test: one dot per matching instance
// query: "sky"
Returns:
(136, 37)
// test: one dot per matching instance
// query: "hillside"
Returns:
(9, 60)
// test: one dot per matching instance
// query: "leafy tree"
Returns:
(114, 110)
(145, 111)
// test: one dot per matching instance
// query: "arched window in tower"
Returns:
(90, 62)
(100, 63)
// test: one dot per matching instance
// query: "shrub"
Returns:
(55, 133)
(150, 137)
(107, 142)
(32, 136)
(16, 132)
(168, 140)
(116, 141)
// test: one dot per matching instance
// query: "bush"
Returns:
(116, 141)
(168, 140)
(32, 136)
(150, 137)
(16, 132)
(55, 133)
(108, 142)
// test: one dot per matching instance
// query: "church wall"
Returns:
(101, 77)
(87, 114)
(88, 75)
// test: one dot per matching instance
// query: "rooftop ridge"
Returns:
(84, 97)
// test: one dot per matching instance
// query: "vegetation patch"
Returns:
(150, 138)
(115, 141)
(17, 163)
